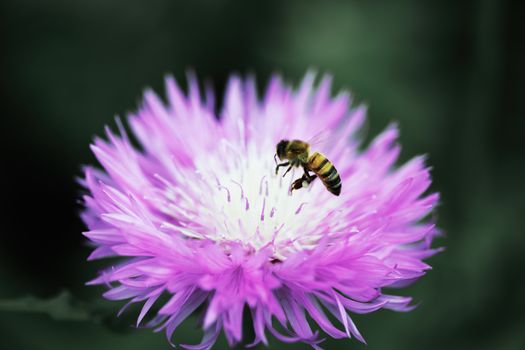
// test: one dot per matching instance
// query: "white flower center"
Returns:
(235, 196)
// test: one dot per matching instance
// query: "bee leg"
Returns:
(280, 165)
(307, 174)
(297, 184)
(307, 180)
(312, 178)
(303, 181)
(287, 170)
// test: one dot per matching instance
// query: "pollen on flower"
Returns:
(201, 216)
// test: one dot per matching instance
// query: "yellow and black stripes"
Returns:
(295, 153)
(326, 171)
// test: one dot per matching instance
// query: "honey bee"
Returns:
(297, 153)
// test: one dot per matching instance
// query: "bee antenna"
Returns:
(275, 158)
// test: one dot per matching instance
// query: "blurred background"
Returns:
(450, 72)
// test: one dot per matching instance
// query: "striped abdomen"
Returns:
(326, 171)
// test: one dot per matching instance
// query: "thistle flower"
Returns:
(200, 216)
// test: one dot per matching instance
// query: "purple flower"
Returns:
(198, 214)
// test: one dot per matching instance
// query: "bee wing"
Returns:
(322, 137)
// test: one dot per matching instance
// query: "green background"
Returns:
(450, 72)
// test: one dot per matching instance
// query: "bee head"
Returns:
(281, 148)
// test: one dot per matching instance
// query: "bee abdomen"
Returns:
(331, 180)
(326, 171)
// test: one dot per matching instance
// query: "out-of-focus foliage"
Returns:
(450, 72)
(60, 308)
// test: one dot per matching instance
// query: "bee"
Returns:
(297, 154)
